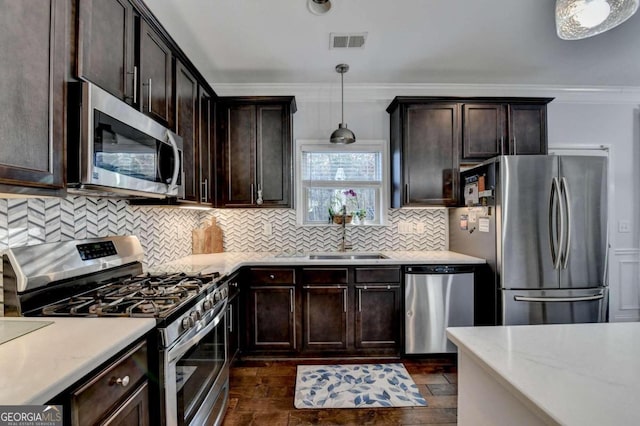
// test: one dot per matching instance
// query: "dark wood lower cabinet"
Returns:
(134, 411)
(332, 311)
(325, 317)
(270, 318)
(377, 322)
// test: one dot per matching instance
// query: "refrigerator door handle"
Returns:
(558, 299)
(564, 190)
(555, 214)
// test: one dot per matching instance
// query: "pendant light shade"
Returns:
(578, 19)
(342, 135)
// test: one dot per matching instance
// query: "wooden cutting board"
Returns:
(208, 239)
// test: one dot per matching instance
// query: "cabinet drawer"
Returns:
(272, 276)
(377, 275)
(102, 393)
(325, 275)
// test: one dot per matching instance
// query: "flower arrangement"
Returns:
(346, 203)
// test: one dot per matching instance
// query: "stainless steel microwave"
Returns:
(115, 150)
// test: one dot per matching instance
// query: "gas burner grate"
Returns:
(147, 295)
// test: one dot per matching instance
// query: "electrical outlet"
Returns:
(405, 227)
(267, 229)
(624, 226)
(420, 228)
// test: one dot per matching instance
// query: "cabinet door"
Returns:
(186, 125)
(240, 155)
(325, 317)
(206, 132)
(273, 154)
(271, 317)
(431, 154)
(32, 87)
(134, 411)
(154, 58)
(483, 130)
(528, 129)
(106, 46)
(377, 316)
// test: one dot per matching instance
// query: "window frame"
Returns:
(316, 145)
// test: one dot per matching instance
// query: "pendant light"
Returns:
(342, 135)
(578, 19)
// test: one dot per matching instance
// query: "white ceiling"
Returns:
(409, 41)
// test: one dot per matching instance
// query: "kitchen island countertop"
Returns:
(570, 374)
(37, 366)
(229, 262)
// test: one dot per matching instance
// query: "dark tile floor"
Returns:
(262, 394)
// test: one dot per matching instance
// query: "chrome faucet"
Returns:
(344, 246)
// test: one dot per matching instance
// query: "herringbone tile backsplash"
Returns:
(165, 234)
(243, 231)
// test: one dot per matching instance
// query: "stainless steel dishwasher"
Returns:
(436, 297)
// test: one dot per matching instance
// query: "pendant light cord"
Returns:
(342, 94)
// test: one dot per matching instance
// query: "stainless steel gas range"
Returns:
(104, 277)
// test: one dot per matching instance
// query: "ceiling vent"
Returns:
(347, 41)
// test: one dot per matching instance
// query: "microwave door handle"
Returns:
(176, 161)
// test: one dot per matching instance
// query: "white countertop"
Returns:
(574, 374)
(227, 263)
(40, 364)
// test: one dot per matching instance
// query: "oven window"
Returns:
(124, 150)
(197, 371)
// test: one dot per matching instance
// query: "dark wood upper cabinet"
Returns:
(154, 65)
(106, 45)
(206, 142)
(120, 52)
(32, 100)
(254, 154)
(528, 128)
(425, 149)
(506, 127)
(431, 136)
(484, 130)
(186, 125)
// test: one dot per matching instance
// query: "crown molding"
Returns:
(363, 92)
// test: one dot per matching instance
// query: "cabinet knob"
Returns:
(122, 381)
(273, 277)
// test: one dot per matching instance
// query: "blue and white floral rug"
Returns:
(356, 386)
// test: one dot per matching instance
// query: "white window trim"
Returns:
(319, 145)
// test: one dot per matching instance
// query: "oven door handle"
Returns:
(176, 162)
(183, 346)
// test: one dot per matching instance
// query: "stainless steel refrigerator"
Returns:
(541, 223)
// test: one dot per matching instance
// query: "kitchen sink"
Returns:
(347, 256)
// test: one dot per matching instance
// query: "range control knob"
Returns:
(217, 296)
(207, 305)
(195, 316)
(186, 323)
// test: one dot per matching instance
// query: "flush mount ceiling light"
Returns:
(342, 135)
(577, 19)
(319, 7)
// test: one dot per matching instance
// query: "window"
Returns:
(336, 177)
